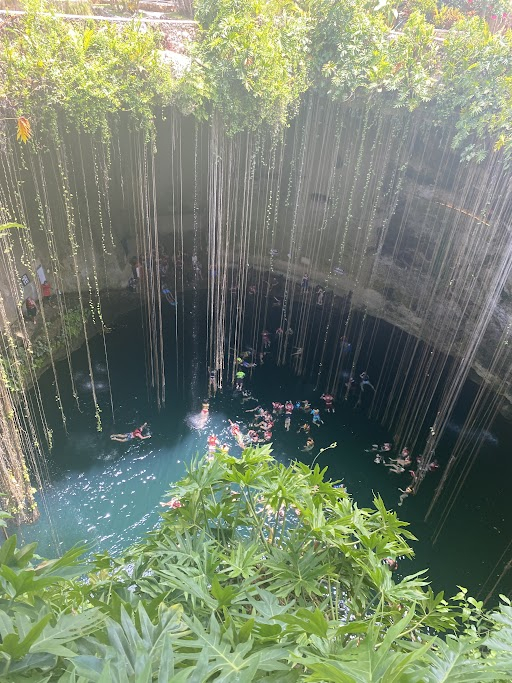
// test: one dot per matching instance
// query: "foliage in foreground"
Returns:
(258, 572)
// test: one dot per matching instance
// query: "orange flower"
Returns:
(24, 132)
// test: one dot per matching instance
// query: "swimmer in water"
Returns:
(212, 380)
(235, 430)
(129, 436)
(329, 401)
(407, 492)
(365, 381)
(239, 384)
(306, 428)
(395, 468)
(317, 420)
(391, 563)
(247, 396)
(253, 436)
(213, 443)
(310, 444)
(168, 295)
(287, 422)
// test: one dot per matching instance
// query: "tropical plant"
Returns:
(258, 572)
(253, 54)
(476, 85)
(85, 73)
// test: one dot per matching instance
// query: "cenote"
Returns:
(108, 494)
(250, 203)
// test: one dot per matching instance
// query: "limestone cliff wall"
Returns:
(368, 201)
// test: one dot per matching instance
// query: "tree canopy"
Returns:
(254, 59)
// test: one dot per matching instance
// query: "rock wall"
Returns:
(369, 201)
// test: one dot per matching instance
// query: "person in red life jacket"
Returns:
(328, 402)
(213, 443)
(129, 436)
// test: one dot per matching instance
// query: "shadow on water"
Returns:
(108, 493)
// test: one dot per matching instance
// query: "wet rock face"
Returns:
(413, 236)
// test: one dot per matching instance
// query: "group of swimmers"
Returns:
(261, 427)
(401, 463)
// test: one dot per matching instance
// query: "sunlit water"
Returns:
(108, 493)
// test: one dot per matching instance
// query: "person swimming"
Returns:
(213, 443)
(239, 384)
(129, 436)
(329, 401)
(235, 431)
(391, 563)
(404, 493)
(317, 420)
(168, 295)
(306, 428)
(310, 444)
(365, 381)
(253, 436)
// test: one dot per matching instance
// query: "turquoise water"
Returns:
(108, 493)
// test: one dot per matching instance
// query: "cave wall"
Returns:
(366, 200)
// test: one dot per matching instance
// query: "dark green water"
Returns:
(108, 493)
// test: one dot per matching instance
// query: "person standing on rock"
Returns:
(31, 309)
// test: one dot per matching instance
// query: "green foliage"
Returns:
(255, 58)
(8, 226)
(426, 7)
(258, 572)
(87, 73)
(251, 62)
(476, 85)
(17, 362)
(446, 17)
(416, 60)
(349, 47)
